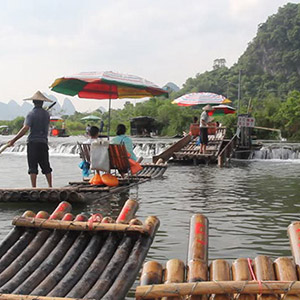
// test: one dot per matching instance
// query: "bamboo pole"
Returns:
(198, 251)
(91, 264)
(134, 262)
(294, 237)
(151, 273)
(241, 272)
(285, 269)
(63, 266)
(78, 226)
(13, 235)
(174, 273)
(30, 297)
(39, 257)
(264, 271)
(128, 211)
(80, 279)
(220, 271)
(220, 287)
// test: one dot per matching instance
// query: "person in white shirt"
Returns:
(204, 128)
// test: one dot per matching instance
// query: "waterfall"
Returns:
(67, 146)
(277, 151)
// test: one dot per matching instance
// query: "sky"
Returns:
(160, 40)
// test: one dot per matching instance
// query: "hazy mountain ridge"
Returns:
(11, 110)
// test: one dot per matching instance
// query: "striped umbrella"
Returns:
(201, 98)
(106, 85)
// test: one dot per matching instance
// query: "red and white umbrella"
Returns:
(55, 119)
(201, 98)
(221, 109)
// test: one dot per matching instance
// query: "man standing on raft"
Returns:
(204, 128)
(37, 121)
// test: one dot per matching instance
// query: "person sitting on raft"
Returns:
(123, 139)
(93, 134)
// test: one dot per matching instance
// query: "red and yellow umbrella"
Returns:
(106, 85)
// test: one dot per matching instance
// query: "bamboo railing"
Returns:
(243, 279)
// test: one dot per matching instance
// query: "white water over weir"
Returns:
(147, 147)
(282, 151)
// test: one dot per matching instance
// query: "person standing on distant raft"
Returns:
(204, 128)
(37, 121)
(123, 139)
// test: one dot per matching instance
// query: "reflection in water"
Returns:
(249, 206)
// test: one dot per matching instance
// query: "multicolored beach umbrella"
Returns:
(55, 119)
(106, 85)
(91, 118)
(201, 98)
(221, 109)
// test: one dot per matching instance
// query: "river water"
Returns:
(249, 205)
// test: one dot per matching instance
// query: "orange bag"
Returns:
(134, 166)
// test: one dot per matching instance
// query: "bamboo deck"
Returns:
(188, 152)
(81, 191)
(61, 255)
(244, 278)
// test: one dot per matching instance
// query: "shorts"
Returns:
(37, 154)
(204, 135)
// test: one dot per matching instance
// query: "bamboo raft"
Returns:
(243, 279)
(60, 255)
(82, 191)
(187, 151)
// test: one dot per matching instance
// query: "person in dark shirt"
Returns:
(37, 121)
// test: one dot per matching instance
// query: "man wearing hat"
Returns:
(37, 121)
(203, 128)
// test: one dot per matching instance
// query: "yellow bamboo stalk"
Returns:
(217, 287)
(77, 225)
(30, 297)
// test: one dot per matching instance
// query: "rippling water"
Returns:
(249, 205)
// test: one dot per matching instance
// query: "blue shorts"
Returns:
(37, 154)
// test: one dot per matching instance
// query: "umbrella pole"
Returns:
(108, 127)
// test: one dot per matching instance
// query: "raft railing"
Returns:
(61, 255)
(244, 278)
(167, 154)
(227, 151)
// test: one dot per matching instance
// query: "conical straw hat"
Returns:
(38, 96)
(207, 107)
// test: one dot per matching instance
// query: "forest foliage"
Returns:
(268, 74)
